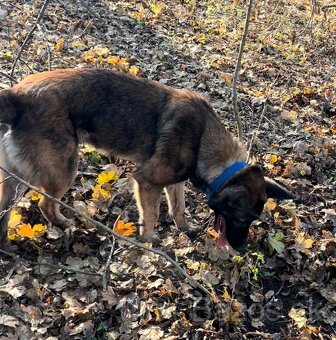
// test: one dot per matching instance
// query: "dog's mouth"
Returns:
(220, 227)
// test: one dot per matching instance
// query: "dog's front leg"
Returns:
(176, 208)
(148, 198)
(176, 204)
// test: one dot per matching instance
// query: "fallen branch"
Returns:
(12, 79)
(30, 33)
(238, 64)
(147, 6)
(326, 7)
(104, 228)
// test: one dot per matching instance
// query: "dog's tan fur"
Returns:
(173, 135)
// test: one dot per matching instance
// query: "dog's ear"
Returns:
(275, 190)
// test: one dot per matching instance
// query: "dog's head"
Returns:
(240, 202)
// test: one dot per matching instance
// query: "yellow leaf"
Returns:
(14, 219)
(126, 229)
(102, 51)
(34, 196)
(213, 233)
(39, 229)
(227, 77)
(25, 230)
(202, 38)
(157, 9)
(226, 296)
(270, 205)
(289, 115)
(296, 91)
(299, 317)
(308, 243)
(116, 61)
(99, 193)
(272, 159)
(286, 98)
(307, 91)
(59, 44)
(12, 235)
(134, 70)
(78, 44)
(89, 56)
(106, 177)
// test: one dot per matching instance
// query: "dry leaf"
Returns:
(134, 70)
(126, 229)
(99, 193)
(299, 317)
(270, 205)
(106, 177)
(25, 230)
(14, 219)
(59, 44)
(34, 195)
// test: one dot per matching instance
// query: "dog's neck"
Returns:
(219, 149)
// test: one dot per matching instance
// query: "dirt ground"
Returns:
(283, 285)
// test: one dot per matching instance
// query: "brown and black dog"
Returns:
(173, 135)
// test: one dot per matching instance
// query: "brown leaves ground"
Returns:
(282, 285)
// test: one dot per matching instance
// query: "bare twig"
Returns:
(255, 132)
(326, 7)
(238, 64)
(100, 226)
(147, 6)
(12, 79)
(109, 258)
(30, 33)
(262, 335)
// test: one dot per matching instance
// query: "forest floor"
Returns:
(282, 286)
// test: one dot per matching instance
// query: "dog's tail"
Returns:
(8, 109)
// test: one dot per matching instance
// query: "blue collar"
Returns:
(218, 182)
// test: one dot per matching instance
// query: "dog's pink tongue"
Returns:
(220, 227)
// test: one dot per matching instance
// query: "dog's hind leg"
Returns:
(148, 201)
(56, 188)
(10, 193)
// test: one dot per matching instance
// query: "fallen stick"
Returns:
(103, 227)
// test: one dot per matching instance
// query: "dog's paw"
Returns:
(66, 223)
(150, 237)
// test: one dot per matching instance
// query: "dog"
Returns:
(172, 134)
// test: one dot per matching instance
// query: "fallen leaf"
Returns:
(59, 44)
(276, 243)
(134, 70)
(34, 195)
(14, 219)
(270, 205)
(299, 317)
(9, 321)
(290, 116)
(126, 229)
(102, 51)
(100, 194)
(105, 177)
(25, 230)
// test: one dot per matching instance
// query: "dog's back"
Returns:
(112, 111)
